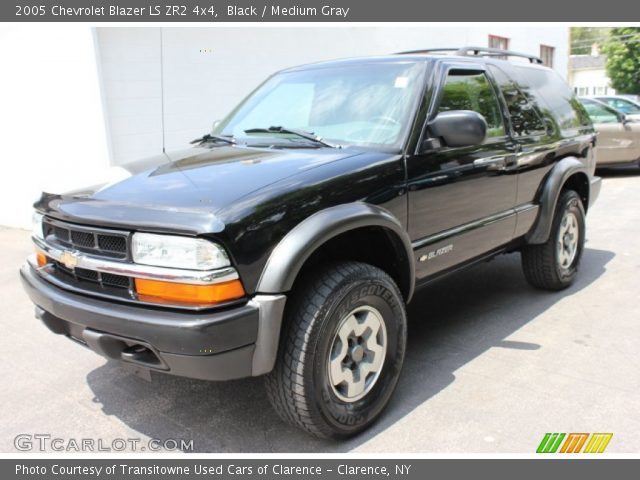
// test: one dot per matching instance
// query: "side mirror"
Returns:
(459, 128)
(215, 125)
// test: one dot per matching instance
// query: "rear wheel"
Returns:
(554, 264)
(341, 352)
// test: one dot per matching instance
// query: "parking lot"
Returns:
(492, 364)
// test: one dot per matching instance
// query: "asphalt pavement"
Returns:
(492, 364)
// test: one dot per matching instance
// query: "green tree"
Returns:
(623, 59)
(583, 37)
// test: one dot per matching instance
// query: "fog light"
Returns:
(183, 293)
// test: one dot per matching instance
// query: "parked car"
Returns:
(289, 240)
(618, 136)
(623, 104)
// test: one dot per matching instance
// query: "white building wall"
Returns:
(130, 74)
(589, 82)
(53, 135)
(197, 75)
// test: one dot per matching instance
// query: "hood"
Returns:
(213, 177)
(196, 181)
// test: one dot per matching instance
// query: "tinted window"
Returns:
(525, 120)
(624, 106)
(599, 113)
(464, 90)
(553, 97)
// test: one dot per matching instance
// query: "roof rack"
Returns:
(476, 52)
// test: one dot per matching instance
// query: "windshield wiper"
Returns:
(291, 131)
(214, 138)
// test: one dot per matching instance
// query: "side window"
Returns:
(624, 106)
(600, 113)
(466, 90)
(525, 120)
(554, 98)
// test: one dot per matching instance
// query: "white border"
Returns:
(311, 455)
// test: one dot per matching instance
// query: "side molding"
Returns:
(557, 177)
(296, 247)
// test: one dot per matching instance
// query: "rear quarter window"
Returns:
(553, 98)
(525, 119)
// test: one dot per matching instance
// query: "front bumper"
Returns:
(236, 342)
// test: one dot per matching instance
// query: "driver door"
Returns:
(462, 199)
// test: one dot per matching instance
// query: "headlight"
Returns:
(36, 225)
(177, 252)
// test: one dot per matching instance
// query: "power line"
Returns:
(607, 37)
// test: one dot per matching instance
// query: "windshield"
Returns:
(367, 104)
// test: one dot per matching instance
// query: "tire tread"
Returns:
(539, 262)
(285, 385)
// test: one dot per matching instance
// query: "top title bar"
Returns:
(318, 11)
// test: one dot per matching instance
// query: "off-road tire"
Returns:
(299, 387)
(541, 263)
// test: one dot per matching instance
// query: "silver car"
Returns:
(618, 140)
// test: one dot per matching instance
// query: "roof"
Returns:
(409, 57)
(474, 54)
(579, 62)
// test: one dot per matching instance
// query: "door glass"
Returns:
(464, 90)
(599, 113)
(553, 97)
(624, 106)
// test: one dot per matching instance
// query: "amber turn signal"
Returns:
(41, 259)
(183, 293)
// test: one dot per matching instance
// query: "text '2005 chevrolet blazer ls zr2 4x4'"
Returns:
(288, 241)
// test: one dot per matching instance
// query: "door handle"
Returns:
(497, 163)
(490, 162)
(511, 161)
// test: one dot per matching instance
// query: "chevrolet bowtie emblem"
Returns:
(69, 260)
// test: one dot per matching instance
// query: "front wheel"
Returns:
(554, 264)
(342, 351)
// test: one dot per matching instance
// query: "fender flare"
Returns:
(290, 254)
(548, 198)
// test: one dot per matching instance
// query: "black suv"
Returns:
(288, 241)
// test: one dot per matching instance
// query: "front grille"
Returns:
(90, 275)
(112, 243)
(83, 239)
(93, 281)
(118, 281)
(61, 233)
(98, 242)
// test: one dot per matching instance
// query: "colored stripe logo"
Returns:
(550, 443)
(598, 442)
(574, 442)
